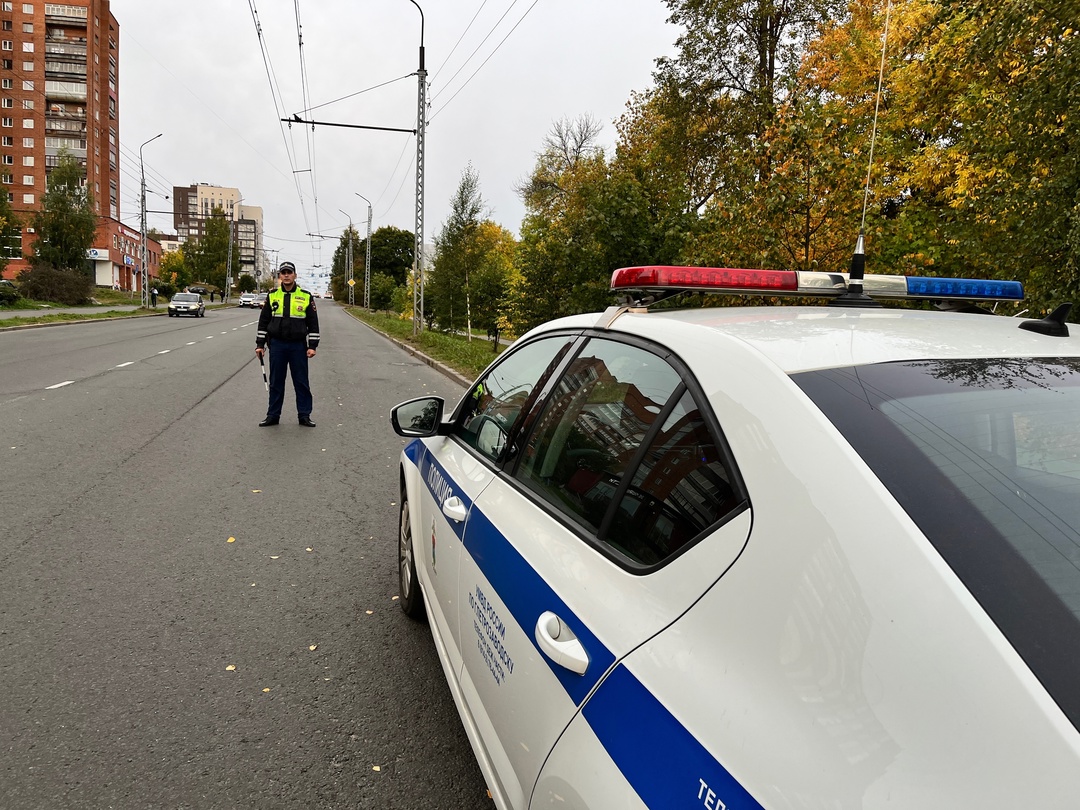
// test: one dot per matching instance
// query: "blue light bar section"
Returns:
(969, 288)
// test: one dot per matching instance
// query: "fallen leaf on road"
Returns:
(393, 598)
(376, 768)
(230, 668)
(274, 556)
(267, 689)
(256, 490)
(369, 612)
(313, 647)
(231, 540)
(309, 548)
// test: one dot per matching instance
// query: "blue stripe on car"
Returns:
(660, 758)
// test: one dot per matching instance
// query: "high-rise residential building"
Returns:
(194, 205)
(59, 90)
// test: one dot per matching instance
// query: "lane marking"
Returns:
(192, 343)
(128, 363)
(59, 385)
(165, 352)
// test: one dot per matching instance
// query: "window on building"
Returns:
(28, 67)
(6, 84)
(7, 179)
(7, 160)
(7, 103)
(7, 6)
(9, 141)
(28, 199)
(28, 8)
(28, 123)
(7, 122)
(6, 64)
(28, 104)
(27, 85)
(28, 28)
(7, 25)
(28, 160)
(28, 179)
(7, 45)
(28, 47)
(28, 143)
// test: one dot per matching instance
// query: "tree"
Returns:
(382, 291)
(447, 285)
(391, 252)
(10, 231)
(174, 270)
(66, 223)
(340, 272)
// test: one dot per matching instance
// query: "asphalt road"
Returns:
(196, 612)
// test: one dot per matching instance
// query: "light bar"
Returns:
(809, 284)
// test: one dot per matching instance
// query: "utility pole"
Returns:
(349, 259)
(367, 258)
(228, 261)
(421, 128)
(144, 275)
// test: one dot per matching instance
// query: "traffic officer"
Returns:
(290, 324)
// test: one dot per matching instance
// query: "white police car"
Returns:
(787, 557)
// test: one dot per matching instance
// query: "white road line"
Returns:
(165, 352)
(59, 385)
(209, 337)
(192, 343)
(128, 363)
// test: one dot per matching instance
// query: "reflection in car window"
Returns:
(491, 409)
(680, 488)
(580, 454)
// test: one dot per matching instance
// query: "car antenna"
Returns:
(855, 297)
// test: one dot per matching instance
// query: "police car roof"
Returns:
(804, 338)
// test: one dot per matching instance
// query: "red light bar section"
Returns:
(704, 278)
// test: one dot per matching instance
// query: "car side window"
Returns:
(596, 419)
(681, 487)
(490, 411)
(622, 448)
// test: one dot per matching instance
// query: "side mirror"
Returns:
(417, 418)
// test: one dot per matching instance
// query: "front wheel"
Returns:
(412, 600)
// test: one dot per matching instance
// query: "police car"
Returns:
(760, 557)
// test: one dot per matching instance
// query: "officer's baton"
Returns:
(266, 382)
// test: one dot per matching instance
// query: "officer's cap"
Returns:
(287, 266)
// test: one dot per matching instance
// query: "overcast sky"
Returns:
(500, 73)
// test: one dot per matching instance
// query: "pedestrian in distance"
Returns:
(153, 296)
(289, 328)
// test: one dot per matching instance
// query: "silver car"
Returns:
(187, 304)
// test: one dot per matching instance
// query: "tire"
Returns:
(412, 599)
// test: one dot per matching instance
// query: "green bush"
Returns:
(9, 294)
(66, 287)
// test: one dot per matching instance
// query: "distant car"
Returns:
(760, 557)
(199, 290)
(247, 299)
(260, 299)
(188, 303)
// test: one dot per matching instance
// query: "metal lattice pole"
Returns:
(421, 130)
(144, 274)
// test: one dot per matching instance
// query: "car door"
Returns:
(620, 508)
(454, 469)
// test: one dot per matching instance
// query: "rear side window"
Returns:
(623, 450)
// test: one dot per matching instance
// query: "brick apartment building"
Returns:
(59, 68)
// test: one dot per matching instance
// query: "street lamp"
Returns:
(421, 129)
(348, 257)
(144, 275)
(367, 258)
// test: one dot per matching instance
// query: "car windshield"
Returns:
(984, 455)
(185, 298)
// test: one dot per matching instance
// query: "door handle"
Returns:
(454, 509)
(559, 644)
